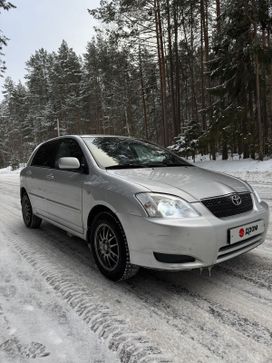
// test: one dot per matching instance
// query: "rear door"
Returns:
(65, 191)
(39, 175)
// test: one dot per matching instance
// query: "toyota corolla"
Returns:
(137, 204)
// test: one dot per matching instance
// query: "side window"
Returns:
(45, 155)
(70, 148)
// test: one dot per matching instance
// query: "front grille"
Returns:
(224, 206)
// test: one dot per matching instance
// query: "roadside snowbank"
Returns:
(9, 170)
(248, 169)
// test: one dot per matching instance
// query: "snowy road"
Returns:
(155, 317)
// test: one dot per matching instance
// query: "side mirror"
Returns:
(68, 163)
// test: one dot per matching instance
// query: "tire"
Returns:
(30, 220)
(108, 243)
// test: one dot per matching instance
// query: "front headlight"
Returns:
(166, 206)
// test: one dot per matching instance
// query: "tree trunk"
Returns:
(194, 106)
(127, 122)
(218, 15)
(177, 69)
(161, 60)
(143, 93)
(205, 32)
(224, 150)
(258, 94)
(203, 101)
(173, 98)
(258, 105)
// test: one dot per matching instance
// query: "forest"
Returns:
(195, 75)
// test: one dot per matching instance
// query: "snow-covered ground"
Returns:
(35, 323)
(56, 307)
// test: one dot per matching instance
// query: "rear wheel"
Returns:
(108, 244)
(31, 221)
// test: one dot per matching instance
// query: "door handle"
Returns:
(50, 177)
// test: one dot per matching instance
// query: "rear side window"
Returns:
(45, 156)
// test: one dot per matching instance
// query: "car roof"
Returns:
(76, 136)
(101, 135)
(89, 135)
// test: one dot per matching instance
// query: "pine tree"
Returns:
(41, 119)
(14, 111)
(235, 68)
(4, 5)
(91, 90)
(65, 82)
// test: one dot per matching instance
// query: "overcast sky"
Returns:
(38, 24)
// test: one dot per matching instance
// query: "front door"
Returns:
(64, 199)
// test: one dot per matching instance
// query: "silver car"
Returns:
(137, 204)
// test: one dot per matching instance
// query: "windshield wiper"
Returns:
(124, 166)
(159, 165)
(141, 166)
(163, 165)
(178, 165)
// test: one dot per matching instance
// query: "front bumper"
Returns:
(204, 238)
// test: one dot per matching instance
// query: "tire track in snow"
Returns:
(251, 268)
(245, 326)
(242, 324)
(41, 253)
(217, 311)
(199, 305)
(130, 346)
(250, 328)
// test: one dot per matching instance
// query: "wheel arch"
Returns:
(99, 208)
(22, 192)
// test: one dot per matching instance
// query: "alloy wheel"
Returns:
(27, 210)
(106, 247)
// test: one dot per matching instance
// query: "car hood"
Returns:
(191, 183)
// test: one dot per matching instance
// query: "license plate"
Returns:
(246, 231)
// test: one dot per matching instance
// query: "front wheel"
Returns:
(108, 244)
(31, 221)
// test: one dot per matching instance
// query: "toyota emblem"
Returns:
(236, 199)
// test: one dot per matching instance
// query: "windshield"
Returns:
(121, 152)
